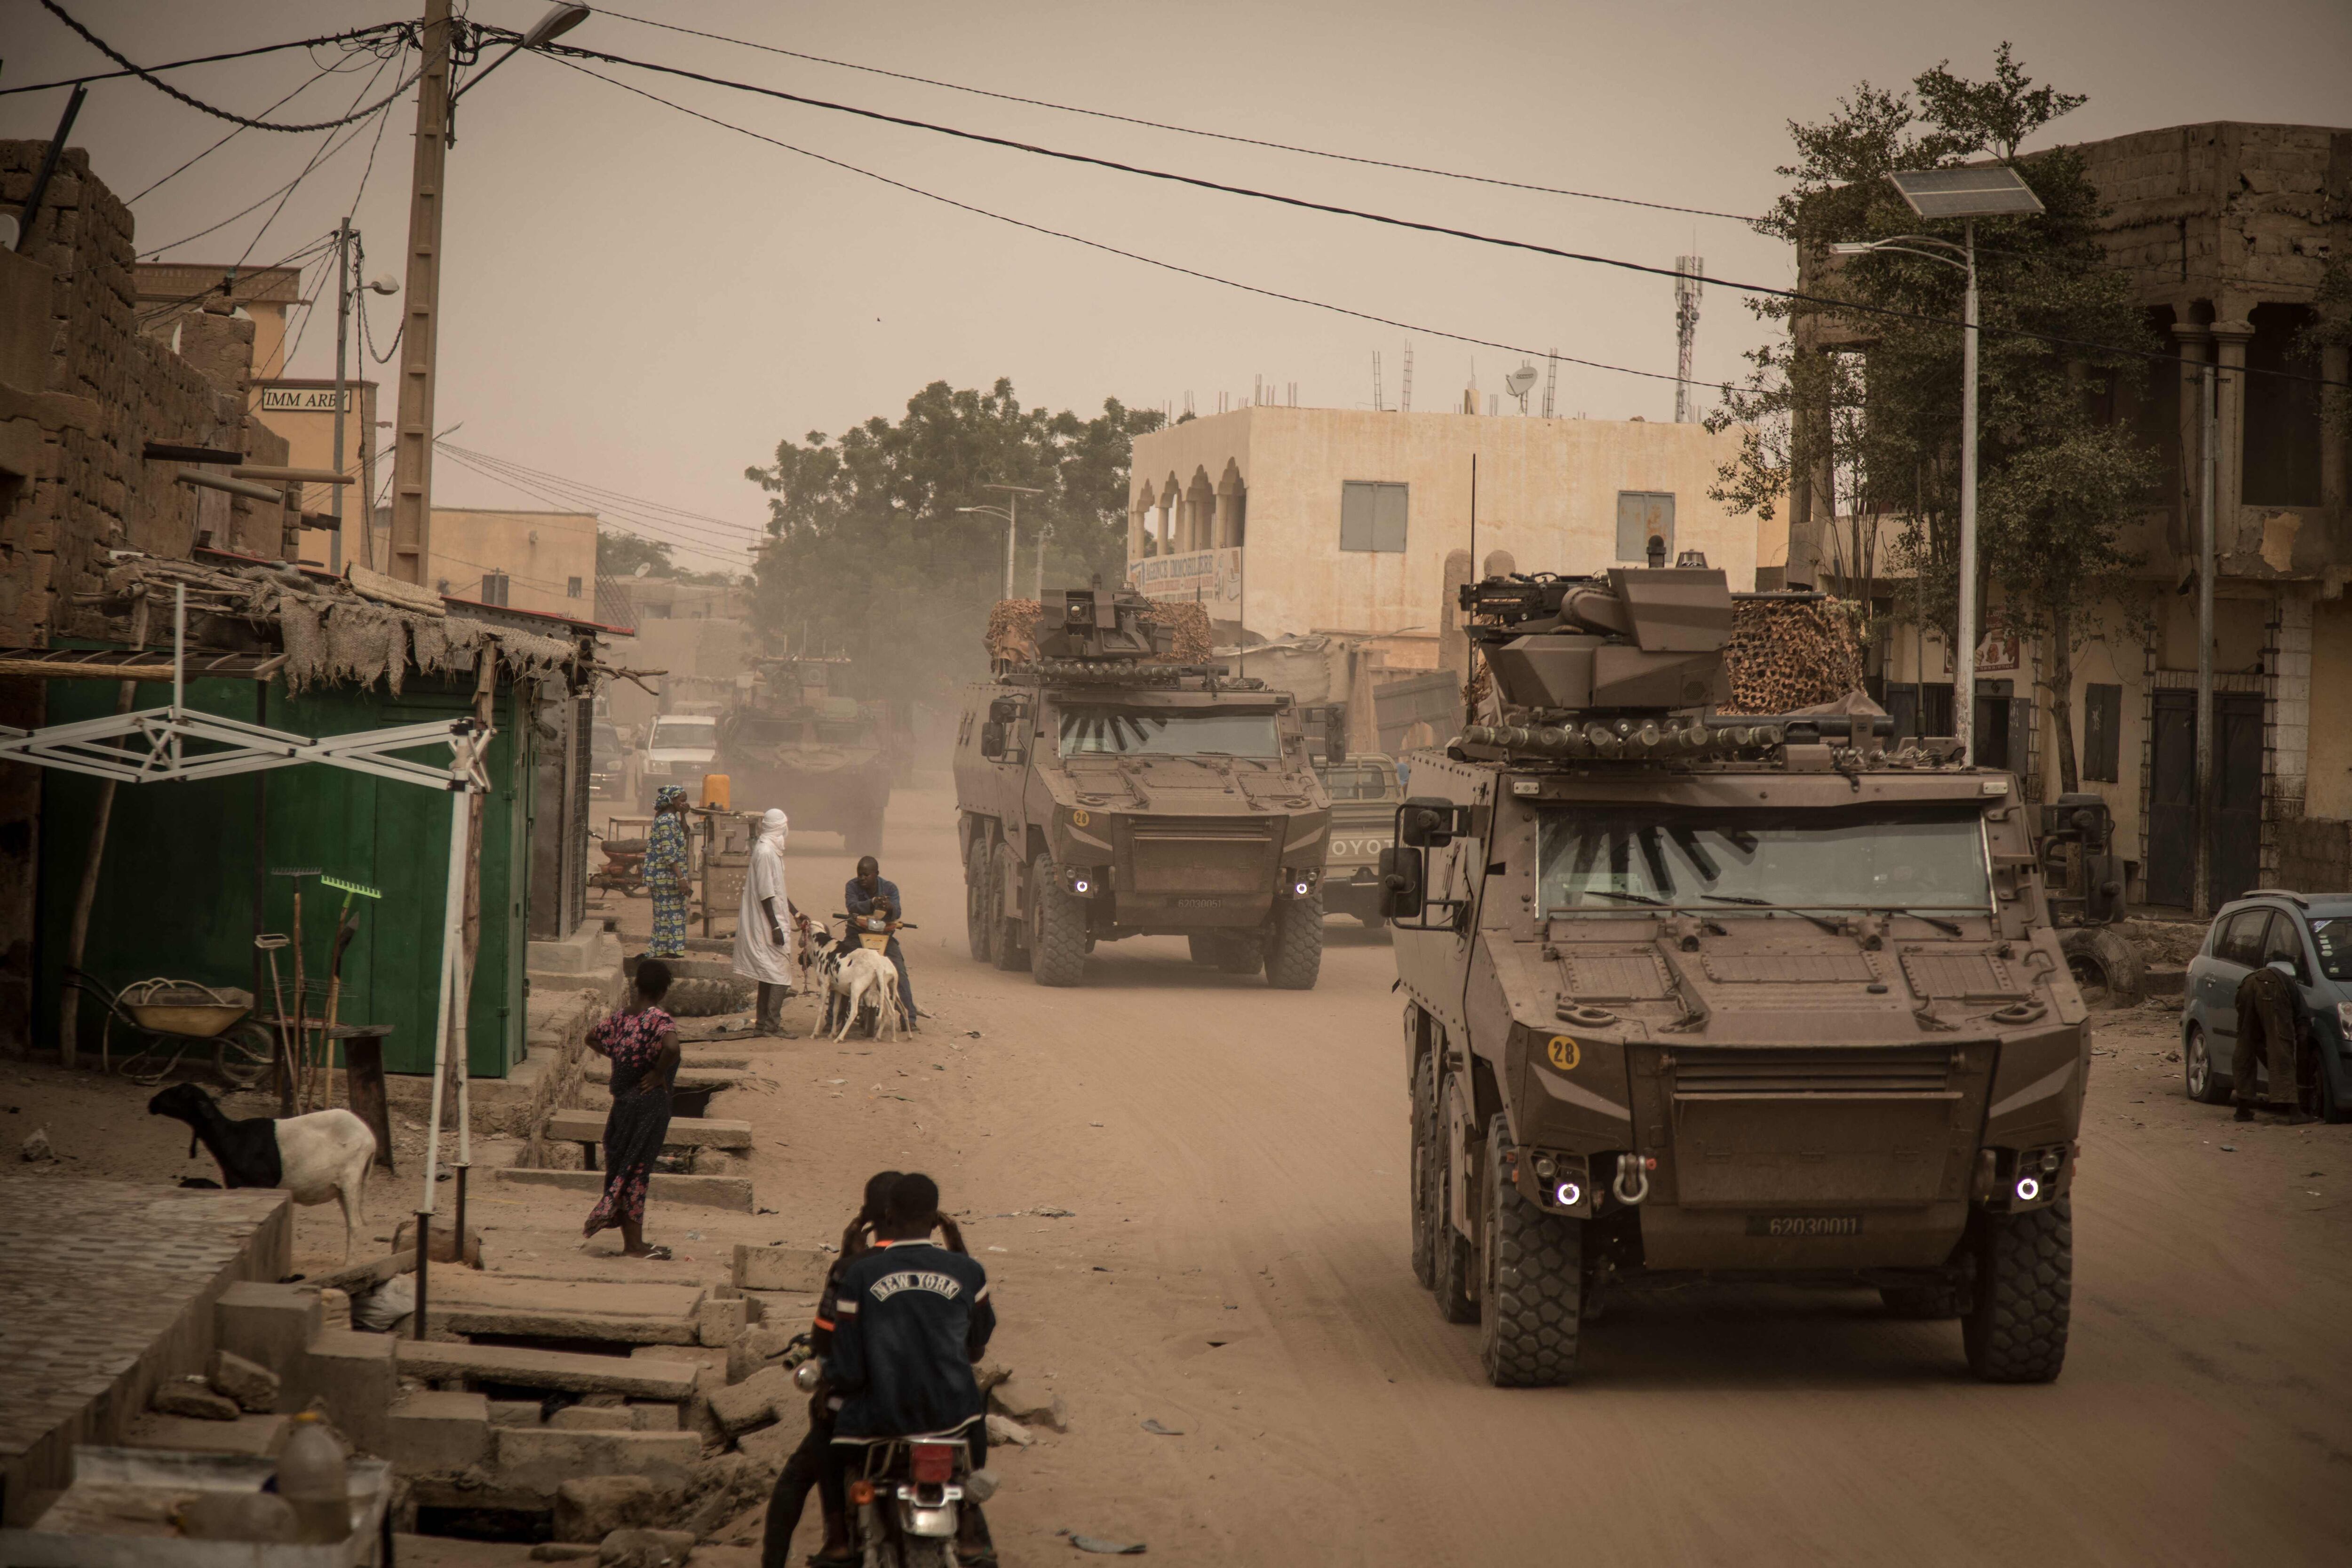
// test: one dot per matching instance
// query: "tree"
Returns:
(620, 554)
(1869, 402)
(867, 554)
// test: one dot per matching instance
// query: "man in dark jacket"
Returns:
(2269, 1025)
(869, 894)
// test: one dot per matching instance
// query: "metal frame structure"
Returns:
(150, 746)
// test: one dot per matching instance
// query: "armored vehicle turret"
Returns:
(1696, 994)
(1105, 790)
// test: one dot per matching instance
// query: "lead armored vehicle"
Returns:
(794, 739)
(1699, 997)
(1104, 792)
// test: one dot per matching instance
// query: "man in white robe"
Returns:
(764, 928)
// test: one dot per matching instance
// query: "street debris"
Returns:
(1004, 1430)
(37, 1146)
(1156, 1430)
(1045, 1213)
(189, 1396)
(1106, 1548)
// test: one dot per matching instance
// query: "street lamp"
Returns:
(1984, 191)
(1010, 513)
(1045, 537)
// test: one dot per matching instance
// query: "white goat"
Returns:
(312, 1158)
(860, 975)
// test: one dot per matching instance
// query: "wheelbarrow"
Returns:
(169, 1018)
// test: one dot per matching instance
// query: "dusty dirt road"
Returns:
(1234, 1268)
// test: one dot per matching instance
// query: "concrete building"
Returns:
(2226, 230)
(1291, 520)
(543, 560)
(698, 634)
(303, 411)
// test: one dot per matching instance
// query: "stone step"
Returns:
(542, 1459)
(248, 1437)
(710, 1191)
(634, 1377)
(469, 1302)
(599, 1070)
(685, 1132)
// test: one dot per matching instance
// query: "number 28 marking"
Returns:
(1563, 1053)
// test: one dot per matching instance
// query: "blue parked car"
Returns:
(2309, 937)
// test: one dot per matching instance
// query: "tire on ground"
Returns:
(706, 998)
(2199, 1073)
(1203, 946)
(1008, 949)
(1294, 947)
(1424, 1167)
(1452, 1249)
(2015, 1330)
(1534, 1287)
(2110, 970)
(1057, 928)
(978, 920)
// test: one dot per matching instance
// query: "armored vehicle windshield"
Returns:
(1090, 730)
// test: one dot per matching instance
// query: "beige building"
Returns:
(1291, 520)
(543, 560)
(304, 412)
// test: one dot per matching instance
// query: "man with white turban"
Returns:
(763, 928)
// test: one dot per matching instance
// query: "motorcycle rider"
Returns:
(870, 893)
(909, 1319)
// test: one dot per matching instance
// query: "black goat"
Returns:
(314, 1157)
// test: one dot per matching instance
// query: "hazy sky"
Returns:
(647, 302)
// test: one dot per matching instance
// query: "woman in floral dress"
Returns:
(642, 1042)
(665, 873)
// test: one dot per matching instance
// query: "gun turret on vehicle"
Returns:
(1110, 784)
(1702, 988)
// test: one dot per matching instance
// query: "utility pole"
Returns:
(1689, 271)
(1044, 537)
(1964, 643)
(342, 345)
(1013, 494)
(2200, 899)
(412, 464)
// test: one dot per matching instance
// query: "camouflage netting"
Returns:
(1011, 635)
(1788, 654)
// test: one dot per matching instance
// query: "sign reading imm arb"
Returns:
(302, 400)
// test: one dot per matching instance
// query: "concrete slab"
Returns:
(248, 1437)
(355, 1373)
(637, 1377)
(780, 1267)
(685, 1132)
(269, 1324)
(541, 1458)
(430, 1431)
(710, 1191)
(637, 1313)
(599, 1070)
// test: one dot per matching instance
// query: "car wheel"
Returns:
(2197, 1068)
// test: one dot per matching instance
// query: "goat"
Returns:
(852, 976)
(323, 1156)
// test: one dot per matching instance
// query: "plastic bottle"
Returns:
(314, 1479)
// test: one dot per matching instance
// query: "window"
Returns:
(1371, 515)
(2102, 720)
(494, 587)
(1098, 732)
(572, 587)
(2242, 942)
(2333, 937)
(1643, 515)
(1870, 858)
(2283, 944)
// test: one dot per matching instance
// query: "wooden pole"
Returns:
(412, 480)
(86, 897)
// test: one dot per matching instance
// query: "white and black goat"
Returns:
(313, 1158)
(855, 976)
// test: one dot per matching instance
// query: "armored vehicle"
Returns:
(1695, 995)
(794, 740)
(1103, 792)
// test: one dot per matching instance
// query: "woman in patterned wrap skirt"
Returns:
(642, 1041)
(665, 873)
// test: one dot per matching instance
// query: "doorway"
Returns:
(2172, 797)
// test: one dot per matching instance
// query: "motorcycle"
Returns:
(904, 1493)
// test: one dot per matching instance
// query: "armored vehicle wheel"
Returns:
(979, 918)
(2015, 1330)
(1008, 949)
(1294, 946)
(1424, 1169)
(1921, 1301)
(2197, 1068)
(2108, 970)
(1534, 1283)
(1450, 1249)
(1057, 928)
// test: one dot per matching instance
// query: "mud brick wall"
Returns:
(2315, 855)
(82, 389)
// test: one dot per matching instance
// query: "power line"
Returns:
(1181, 130)
(1115, 250)
(464, 459)
(373, 76)
(185, 239)
(367, 32)
(234, 131)
(720, 524)
(151, 79)
(557, 51)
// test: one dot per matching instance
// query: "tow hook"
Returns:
(1639, 1166)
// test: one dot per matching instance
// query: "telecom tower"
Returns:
(1404, 396)
(1378, 405)
(1689, 272)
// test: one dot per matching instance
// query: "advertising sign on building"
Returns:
(304, 399)
(1999, 650)
(1211, 576)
